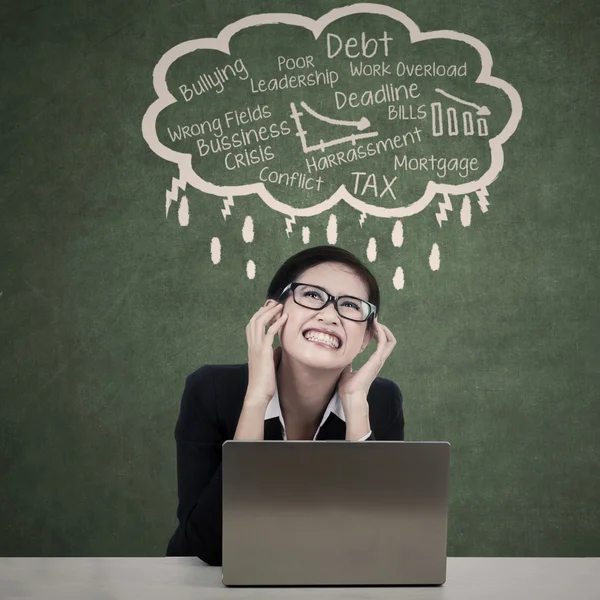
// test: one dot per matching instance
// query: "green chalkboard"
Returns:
(161, 159)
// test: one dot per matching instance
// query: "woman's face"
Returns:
(299, 336)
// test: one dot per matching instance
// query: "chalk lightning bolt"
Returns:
(362, 219)
(289, 221)
(172, 194)
(483, 201)
(227, 202)
(443, 206)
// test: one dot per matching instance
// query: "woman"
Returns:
(322, 304)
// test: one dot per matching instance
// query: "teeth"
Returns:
(315, 336)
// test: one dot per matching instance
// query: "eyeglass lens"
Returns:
(347, 306)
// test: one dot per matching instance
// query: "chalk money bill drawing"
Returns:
(358, 107)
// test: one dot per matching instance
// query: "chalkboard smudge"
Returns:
(332, 230)
(372, 249)
(398, 234)
(215, 250)
(183, 213)
(251, 269)
(434, 258)
(465, 212)
(305, 235)
(248, 230)
(398, 279)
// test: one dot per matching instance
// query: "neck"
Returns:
(304, 393)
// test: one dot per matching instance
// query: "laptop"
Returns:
(335, 513)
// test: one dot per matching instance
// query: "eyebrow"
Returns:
(338, 295)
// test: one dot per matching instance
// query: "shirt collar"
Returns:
(335, 406)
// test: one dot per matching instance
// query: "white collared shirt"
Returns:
(334, 406)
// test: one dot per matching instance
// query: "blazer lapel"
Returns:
(333, 429)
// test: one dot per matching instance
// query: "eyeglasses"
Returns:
(316, 298)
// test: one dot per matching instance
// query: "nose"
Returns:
(328, 313)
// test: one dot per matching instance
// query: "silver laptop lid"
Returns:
(335, 512)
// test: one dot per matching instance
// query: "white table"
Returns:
(188, 578)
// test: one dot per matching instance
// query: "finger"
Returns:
(388, 334)
(261, 318)
(383, 334)
(385, 344)
(265, 309)
(255, 330)
(257, 315)
(382, 351)
(270, 318)
(270, 335)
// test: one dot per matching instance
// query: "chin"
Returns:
(317, 358)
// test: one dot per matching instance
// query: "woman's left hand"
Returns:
(356, 384)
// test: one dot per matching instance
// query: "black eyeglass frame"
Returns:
(292, 287)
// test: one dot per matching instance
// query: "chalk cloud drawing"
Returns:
(359, 91)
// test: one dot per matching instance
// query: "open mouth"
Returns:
(331, 341)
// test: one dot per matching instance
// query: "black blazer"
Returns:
(210, 409)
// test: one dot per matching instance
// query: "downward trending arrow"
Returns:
(361, 125)
(482, 111)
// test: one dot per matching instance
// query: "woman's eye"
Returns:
(351, 305)
(312, 294)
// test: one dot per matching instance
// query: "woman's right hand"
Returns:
(262, 360)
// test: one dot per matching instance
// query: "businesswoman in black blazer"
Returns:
(322, 304)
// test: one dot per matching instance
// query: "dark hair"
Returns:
(305, 259)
